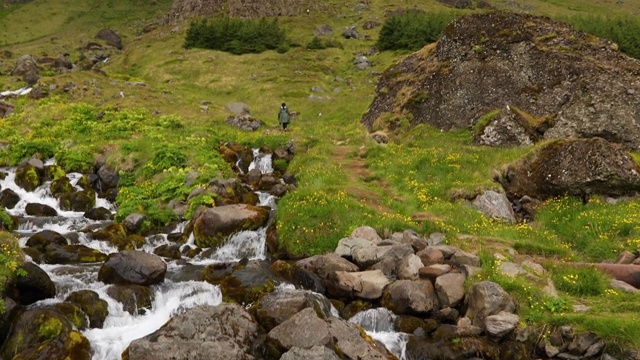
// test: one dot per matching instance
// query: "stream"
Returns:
(175, 294)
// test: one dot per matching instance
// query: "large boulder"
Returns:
(8, 198)
(306, 330)
(71, 254)
(35, 209)
(41, 239)
(135, 299)
(277, 307)
(27, 177)
(576, 167)
(34, 286)
(553, 80)
(110, 37)
(226, 331)
(410, 297)
(213, 225)
(363, 284)
(487, 298)
(89, 301)
(27, 68)
(83, 201)
(246, 283)
(44, 332)
(133, 267)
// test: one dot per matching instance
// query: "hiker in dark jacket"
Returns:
(283, 116)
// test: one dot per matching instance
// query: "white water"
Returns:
(378, 323)
(19, 92)
(261, 161)
(170, 298)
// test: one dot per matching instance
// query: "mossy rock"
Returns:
(54, 172)
(135, 299)
(82, 201)
(36, 329)
(74, 313)
(355, 307)
(41, 239)
(27, 177)
(61, 186)
(249, 283)
(409, 324)
(116, 234)
(72, 254)
(95, 308)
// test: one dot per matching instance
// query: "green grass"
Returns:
(421, 180)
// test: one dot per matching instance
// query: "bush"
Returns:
(11, 257)
(23, 149)
(237, 36)
(318, 44)
(75, 160)
(412, 30)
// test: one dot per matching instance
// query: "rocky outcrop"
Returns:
(541, 78)
(226, 331)
(574, 167)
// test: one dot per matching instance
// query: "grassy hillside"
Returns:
(346, 180)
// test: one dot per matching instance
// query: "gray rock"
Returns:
(511, 270)
(410, 297)
(495, 206)
(450, 289)
(225, 331)
(313, 353)
(132, 267)
(346, 246)
(408, 267)
(277, 307)
(133, 222)
(363, 285)
(487, 298)
(464, 258)
(501, 324)
(366, 232)
(622, 286)
(110, 37)
(329, 263)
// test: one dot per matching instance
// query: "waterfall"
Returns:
(379, 324)
(170, 297)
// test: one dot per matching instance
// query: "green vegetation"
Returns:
(159, 135)
(11, 257)
(412, 30)
(621, 30)
(237, 36)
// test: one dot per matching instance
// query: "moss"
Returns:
(546, 37)
(484, 121)
(49, 328)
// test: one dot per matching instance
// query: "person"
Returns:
(283, 116)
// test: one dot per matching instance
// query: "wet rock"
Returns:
(8, 198)
(34, 286)
(248, 282)
(308, 280)
(34, 209)
(213, 226)
(132, 267)
(44, 331)
(73, 313)
(277, 307)
(43, 238)
(61, 186)
(225, 331)
(27, 177)
(133, 222)
(108, 177)
(168, 251)
(95, 308)
(135, 299)
(99, 213)
(71, 254)
(81, 201)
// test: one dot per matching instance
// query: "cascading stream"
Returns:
(170, 297)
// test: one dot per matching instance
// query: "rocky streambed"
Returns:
(208, 288)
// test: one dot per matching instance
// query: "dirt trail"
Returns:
(357, 173)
